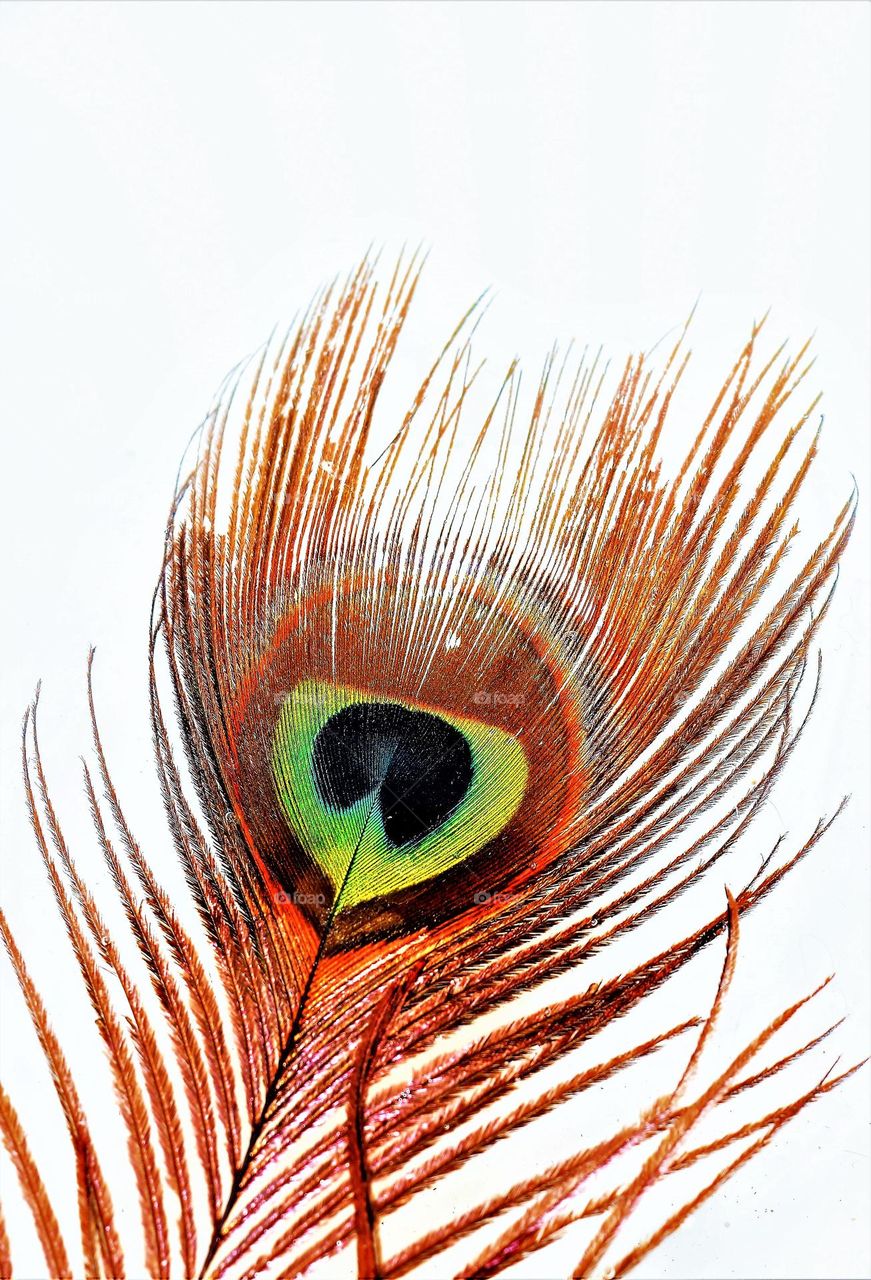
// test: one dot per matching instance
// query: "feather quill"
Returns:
(461, 711)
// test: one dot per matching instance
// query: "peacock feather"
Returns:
(465, 705)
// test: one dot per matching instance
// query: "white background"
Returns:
(177, 178)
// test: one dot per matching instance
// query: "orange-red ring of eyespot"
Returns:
(572, 718)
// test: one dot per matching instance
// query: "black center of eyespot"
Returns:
(420, 764)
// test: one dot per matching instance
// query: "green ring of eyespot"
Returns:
(350, 845)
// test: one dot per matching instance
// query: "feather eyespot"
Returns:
(384, 795)
(461, 757)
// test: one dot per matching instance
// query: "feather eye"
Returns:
(397, 797)
(463, 706)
